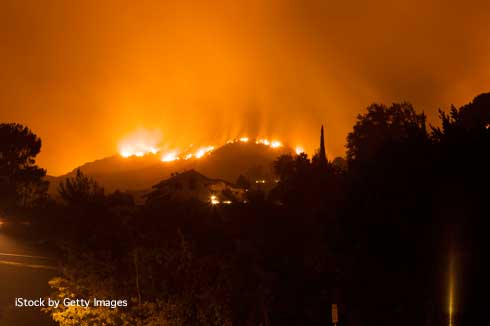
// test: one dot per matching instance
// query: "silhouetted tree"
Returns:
(387, 213)
(80, 189)
(284, 166)
(470, 118)
(460, 198)
(299, 181)
(339, 164)
(320, 159)
(381, 126)
(21, 180)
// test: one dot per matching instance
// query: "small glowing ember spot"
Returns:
(260, 181)
(214, 200)
(169, 157)
(227, 202)
(244, 139)
(276, 144)
(487, 126)
(299, 150)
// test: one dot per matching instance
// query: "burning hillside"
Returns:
(140, 165)
(144, 143)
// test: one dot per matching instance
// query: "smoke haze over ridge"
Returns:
(84, 74)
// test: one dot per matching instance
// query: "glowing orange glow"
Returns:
(140, 143)
(276, 144)
(203, 151)
(130, 150)
(299, 150)
(214, 200)
(174, 155)
(169, 157)
(262, 141)
(143, 142)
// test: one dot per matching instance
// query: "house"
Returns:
(194, 185)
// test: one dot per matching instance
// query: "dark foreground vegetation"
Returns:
(374, 233)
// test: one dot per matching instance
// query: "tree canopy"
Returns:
(383, 125)
(21, 180)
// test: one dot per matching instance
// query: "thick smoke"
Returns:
(83, 74)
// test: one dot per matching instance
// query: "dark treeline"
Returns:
(375, 233)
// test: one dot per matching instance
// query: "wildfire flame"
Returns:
(276, 144)
(174, 155)
(140, 143)
(144, 142)
(139, 150)
(203, 151)
(169, 157)
(263, 141)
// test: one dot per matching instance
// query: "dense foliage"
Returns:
(21, 183)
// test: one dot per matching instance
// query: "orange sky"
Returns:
(84, 74)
